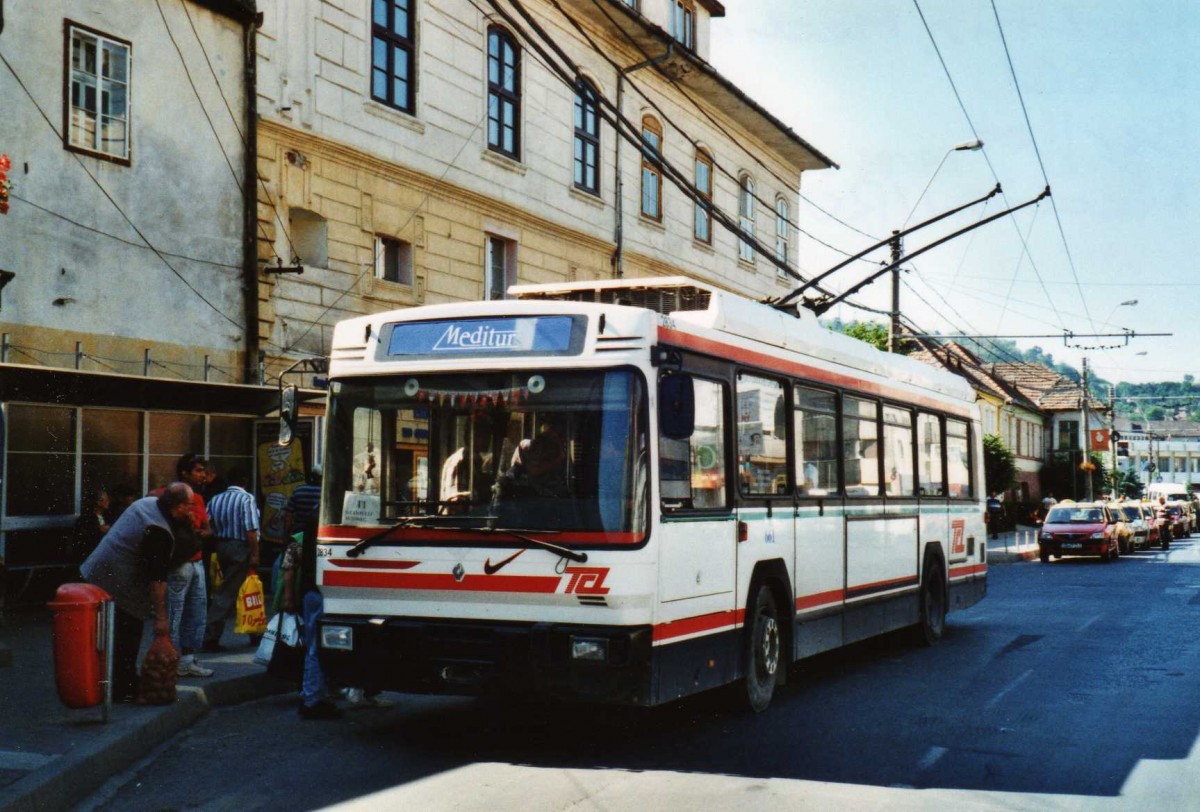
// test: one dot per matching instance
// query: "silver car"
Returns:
(1138, 522)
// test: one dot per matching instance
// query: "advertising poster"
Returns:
(281, 470)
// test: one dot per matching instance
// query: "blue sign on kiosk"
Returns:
(526, 335)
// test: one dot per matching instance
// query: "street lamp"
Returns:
(897, 249)
(966, 146)
(1126, 303)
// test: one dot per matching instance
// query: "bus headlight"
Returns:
(339, 638)
(589, 648)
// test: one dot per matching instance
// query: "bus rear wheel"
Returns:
(763, 650)
(931, 622)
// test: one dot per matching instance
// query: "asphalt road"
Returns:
(1076, 681)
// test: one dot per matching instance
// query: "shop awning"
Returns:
(69, 387)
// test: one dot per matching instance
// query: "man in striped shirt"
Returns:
(233, 516)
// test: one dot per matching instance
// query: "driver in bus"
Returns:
(539, 466)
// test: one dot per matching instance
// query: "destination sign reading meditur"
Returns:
(524, 334)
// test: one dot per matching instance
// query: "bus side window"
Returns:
(929, 455)
(816, 442)
(762, 436)
(692, 470)
(958, 460)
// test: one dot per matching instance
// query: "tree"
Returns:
(999, 464)
(1126, 483)
(873, 332)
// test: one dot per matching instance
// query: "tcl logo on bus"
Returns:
(586, 580)
(958, 528)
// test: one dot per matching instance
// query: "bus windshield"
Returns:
(552, 450)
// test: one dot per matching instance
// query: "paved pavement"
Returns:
(52, 757)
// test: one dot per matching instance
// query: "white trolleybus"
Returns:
(631, 491)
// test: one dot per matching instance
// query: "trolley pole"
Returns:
(894, 327)
(1087, 436)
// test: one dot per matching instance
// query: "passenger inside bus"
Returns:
(539, 466)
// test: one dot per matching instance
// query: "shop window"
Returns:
(172, 434)
(41, 461)
(112, 452)
(230, 440)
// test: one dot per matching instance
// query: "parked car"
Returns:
(1148, 509)
(1081, 528)
(1135, 520)
(1181, 523)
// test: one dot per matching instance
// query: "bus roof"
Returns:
(693, 306)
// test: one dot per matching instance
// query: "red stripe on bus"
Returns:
(372, 563)
(972, 569)
(882, 585)
(444, 582)
(334, 533)
(700, 623)
(820, 599)
(811, 373)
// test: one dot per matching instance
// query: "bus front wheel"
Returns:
(763, 650)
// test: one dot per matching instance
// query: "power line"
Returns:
(1029, 126)
(110, 198)
(962, 106)
(699, 108)
(119, 239)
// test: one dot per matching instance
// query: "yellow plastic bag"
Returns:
(251, 614)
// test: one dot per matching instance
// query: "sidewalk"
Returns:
(1015, 545)
(52, 757)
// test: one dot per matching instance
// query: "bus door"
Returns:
(766, 504)
(820, 566)
(697, 541)
(931, 486)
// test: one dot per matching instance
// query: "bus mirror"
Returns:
(287, 415)
(676, 406)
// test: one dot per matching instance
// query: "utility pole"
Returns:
(1112, 429)
(894, 328)
(1085, 454)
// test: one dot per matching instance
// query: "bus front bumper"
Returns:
(542, 660)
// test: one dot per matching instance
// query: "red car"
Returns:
(1085, 528)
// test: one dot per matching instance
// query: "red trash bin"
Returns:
(79, 644)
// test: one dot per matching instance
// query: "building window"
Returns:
(310, 237)
(500, 267)
(393, 260)
(504, 93)
(587, 138)
(704, 184)
(392, 51)
(98, 113)
(1068, 435)
(651, 169)
(746, 217)
(781, 234)
(683, 23)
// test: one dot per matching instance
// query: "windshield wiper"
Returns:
(425, 524)
(574, 555)
(361, 547)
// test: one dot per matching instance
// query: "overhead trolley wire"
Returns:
(962, 106)
(162, 257)
(1036, 151)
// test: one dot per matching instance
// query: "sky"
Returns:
(1113, 101)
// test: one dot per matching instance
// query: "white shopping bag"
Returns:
(285, 627)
